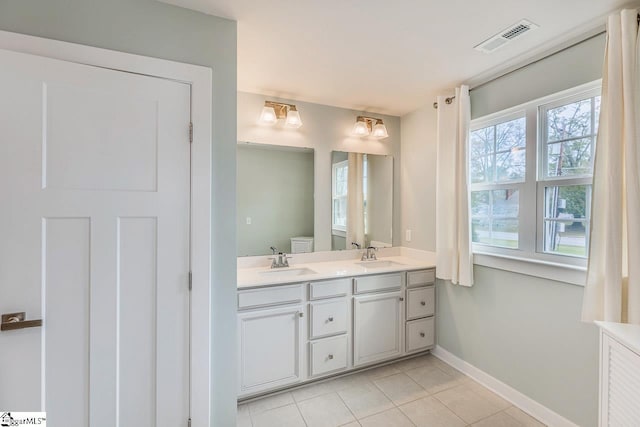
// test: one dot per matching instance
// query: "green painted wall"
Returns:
(151, 28)
(526, 332)
(522, 330)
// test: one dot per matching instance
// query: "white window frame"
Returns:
(529, 257)
(337, 229)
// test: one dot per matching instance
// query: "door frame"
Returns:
(200, 80)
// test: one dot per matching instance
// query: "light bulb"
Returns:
(379, 130)
(360, 128)
(268, 115)
(293, 118)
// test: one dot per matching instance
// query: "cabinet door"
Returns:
(378, 321)
(270, 348)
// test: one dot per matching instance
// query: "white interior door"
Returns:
(94, 240)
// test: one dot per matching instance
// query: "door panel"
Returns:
(94, 184)
(377, 333)
(270, 343)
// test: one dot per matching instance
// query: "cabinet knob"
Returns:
(422, 334)
(401, 299)
(423, 303)
(330, 357)
(330, 319)
(301, 314)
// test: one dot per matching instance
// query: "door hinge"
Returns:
(189, 422)
(190, 132)
(190, 280)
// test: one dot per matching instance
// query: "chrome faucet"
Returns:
(356, 245)
(279, 260)
(369, 254)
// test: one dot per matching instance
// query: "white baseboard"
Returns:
(528, 405)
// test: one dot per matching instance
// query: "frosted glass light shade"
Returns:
(268, 116)
(379, 130)
(293, 119)
(360, 128)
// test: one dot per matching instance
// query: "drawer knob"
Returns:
(301, 314)
(330, 319)
(401, 299)
(422, 334)
(423, 303)
(330, 357)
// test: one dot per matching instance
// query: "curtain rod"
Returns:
(447, 101)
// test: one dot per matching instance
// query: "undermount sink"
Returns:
(287, 272)
(379, 264)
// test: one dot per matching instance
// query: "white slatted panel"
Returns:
(623, 385)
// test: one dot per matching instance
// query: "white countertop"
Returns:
(252, 277)
(627, 334)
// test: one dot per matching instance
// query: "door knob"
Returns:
(12, 321)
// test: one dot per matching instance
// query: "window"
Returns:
(339, 195)
(531, 170)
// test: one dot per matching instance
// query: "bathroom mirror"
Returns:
(274, 199)
(361, 200)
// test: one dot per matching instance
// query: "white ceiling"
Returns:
(386, 56)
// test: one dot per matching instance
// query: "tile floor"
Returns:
(423, 391)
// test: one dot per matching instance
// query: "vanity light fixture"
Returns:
(366, 126)
(274, 111)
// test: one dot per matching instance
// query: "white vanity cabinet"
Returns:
(270, 340)
(294, 333)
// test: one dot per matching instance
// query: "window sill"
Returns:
(574, 275)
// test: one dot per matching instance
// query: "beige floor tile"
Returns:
(500, 419)
(349, 381)
(526, 419)
(270, 402)
(489, 395)
(392, 417)
(433, 379)
(467, 404)
(365, 400)
(400, 388)
(353, 424)
(243, 417)
(429, 412)
(381, 372)
(285, 416)
(327, 410)
(312, 390)
(416, 362)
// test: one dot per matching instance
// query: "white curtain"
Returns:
(355, 200)
(454, 260)
(612, 291)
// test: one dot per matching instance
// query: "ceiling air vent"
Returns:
(505, 36)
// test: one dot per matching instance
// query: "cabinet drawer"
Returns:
(265, 297)
(328, 355)
(421, 302)
(420, 334)
(382, 282)
(329, 288)
(328, 318)
(420, 278)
